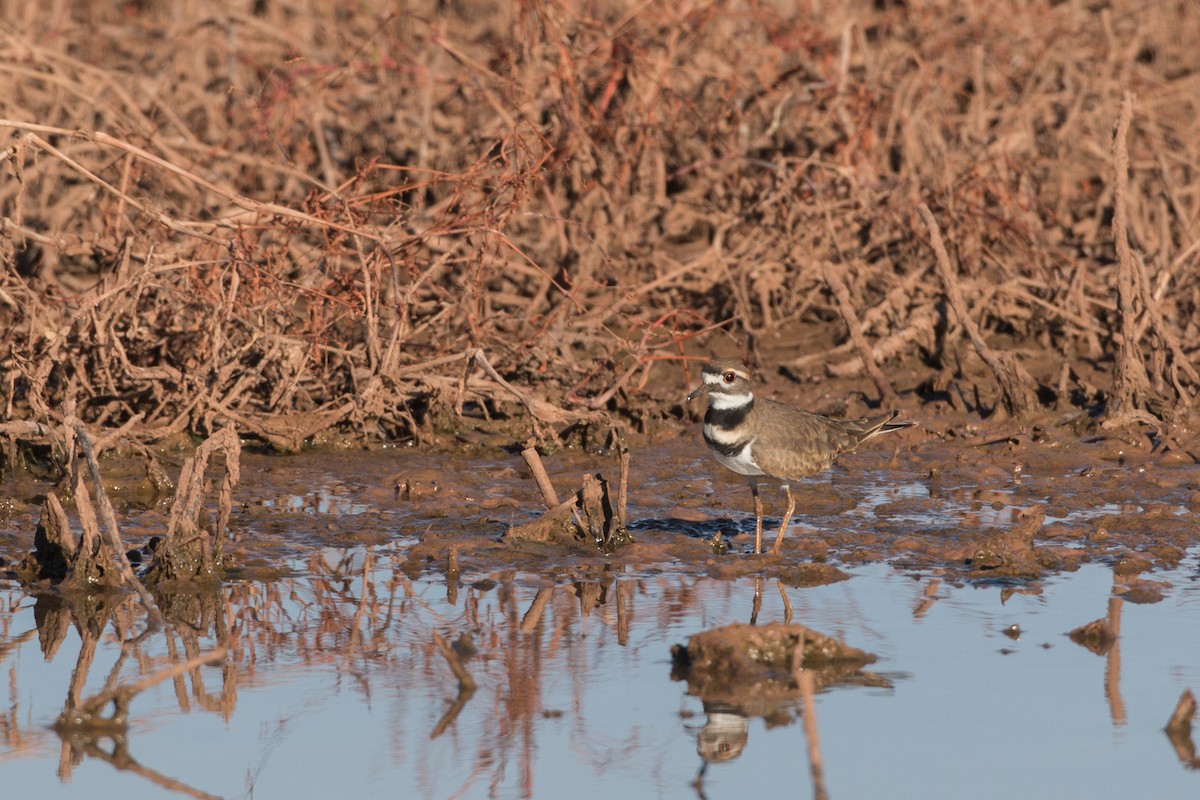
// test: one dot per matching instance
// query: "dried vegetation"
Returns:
(311, 218)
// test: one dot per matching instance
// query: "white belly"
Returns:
(741, 462)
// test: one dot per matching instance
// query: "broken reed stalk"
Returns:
(89, 541)
(623, 488)
(184, 529)
(57, 527)
(592, 505)
(108, 517)
(1131, 384)
(452, 572)
(829, 271)
(595, 514)
(22, 427)
(540, 477)
(1015, 383)
(549, 495)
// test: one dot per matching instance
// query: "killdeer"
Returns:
(764, 438)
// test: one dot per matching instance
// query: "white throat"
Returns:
(725, 402)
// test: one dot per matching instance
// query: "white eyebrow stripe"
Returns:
(717, 377)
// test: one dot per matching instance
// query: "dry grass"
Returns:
(306, 217)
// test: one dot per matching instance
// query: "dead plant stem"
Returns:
(109, 519)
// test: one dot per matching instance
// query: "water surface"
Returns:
(326, 701)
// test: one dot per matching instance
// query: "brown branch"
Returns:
(623, 488)
(534, 460)
(243, 202)
(829, 271)
(109, 518)
(1131, 385)
(539, 410)
(1015, 383)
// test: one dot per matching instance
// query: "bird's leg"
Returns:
(754, 609)
(757, 516)
(787, 517)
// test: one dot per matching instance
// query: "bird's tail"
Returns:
(873, 426)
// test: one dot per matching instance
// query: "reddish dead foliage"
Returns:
(301, 219)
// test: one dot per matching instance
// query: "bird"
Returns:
(763, 438)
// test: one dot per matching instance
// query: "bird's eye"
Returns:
(729, 377)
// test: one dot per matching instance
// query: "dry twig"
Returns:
(1016, 386)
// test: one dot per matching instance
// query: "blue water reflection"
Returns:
(334, 687)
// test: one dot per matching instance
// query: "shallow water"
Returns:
(583, 703)
(333, 686)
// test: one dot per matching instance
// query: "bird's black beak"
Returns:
(702, 389)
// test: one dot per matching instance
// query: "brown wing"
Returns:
(802, 443)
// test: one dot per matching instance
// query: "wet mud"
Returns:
(1007, 506)
(986, 508)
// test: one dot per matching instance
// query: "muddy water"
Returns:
(927, 556)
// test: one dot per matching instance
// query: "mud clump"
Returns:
(1097, 636)
(1011, 553)
(801, 575)
(587, 518)
(1142, 591)
(743, 665)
